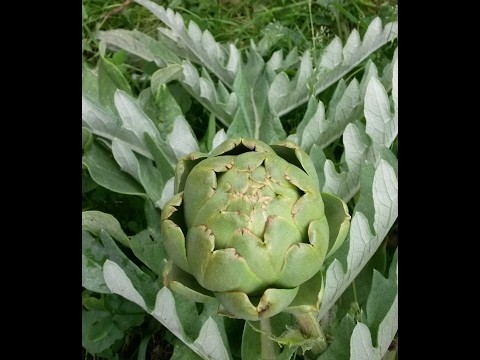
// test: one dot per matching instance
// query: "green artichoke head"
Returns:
(249, 226)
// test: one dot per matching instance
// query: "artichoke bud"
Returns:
(251, 227)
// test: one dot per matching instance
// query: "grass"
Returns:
(300, 23)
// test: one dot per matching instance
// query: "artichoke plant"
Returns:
(249, 226)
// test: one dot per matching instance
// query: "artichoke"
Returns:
(249, 226)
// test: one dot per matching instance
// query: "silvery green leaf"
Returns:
(190, 75)
(382, 129)
(346, 183)
(133, 117)
(107, 320)
(96, 250)
(119, 283)
(210, 341)
(362, 243)
(200, 47)
(382, 319)
(219, 138)
(291, 59)
(207, 90)
(125, 158)
(336, 97)
(283, 92)
(194, 32)
(125, 40)
(203, 90)
(279, 90)
(318, 157)
(374, 28)
(92, 276)
(94, 221)
(166, 110)
(211, 47)
(344, 108)
(181, 139)
(145, 284)
(351, 45)
(141, 45)
(387, 73)
(147, 246)
(332, 55)
(164, 156)
(381, 126)
(222, 93)
(165, 75)
(339, 349)
(92, 260)
(97, 119)
(183, 352)
(89, 82)
(234, 59)
(314, 128)
(371, 71)
(253, 117)
(395, 91)
(209, 344)
(110, 78)
(167, 193)
(105, 171)
(323, 77)
(105, 125)
(151, 178)
(276, 60)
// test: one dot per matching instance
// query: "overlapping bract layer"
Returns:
(249, 225)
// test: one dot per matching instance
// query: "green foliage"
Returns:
(230, 69)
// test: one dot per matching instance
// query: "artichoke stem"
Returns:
(269, 349)
(310, 327)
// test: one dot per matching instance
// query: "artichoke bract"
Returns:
(249, 226)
